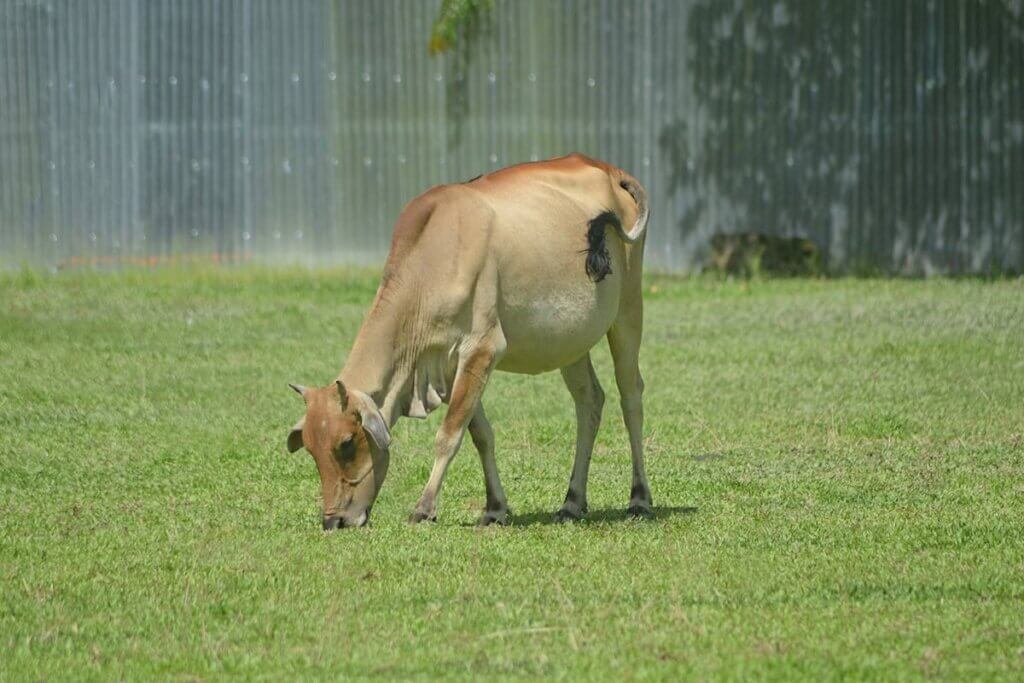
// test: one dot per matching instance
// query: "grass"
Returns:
(838, 468)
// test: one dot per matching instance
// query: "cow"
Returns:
(523, 269)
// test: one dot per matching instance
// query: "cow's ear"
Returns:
(373, 424)
(373, 421)
(295, 436)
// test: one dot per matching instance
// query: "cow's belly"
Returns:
(547, 328)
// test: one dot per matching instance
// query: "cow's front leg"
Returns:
(480, 430)
(470, 380)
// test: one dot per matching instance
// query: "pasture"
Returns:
(837, 468)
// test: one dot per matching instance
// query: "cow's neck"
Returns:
(382, 359)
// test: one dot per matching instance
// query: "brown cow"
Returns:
(524, 270)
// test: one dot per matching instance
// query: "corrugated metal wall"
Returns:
(891, 133)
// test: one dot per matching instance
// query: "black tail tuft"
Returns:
(599, 263)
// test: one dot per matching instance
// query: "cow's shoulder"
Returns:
(435, 209)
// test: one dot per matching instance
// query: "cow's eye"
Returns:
(348, 447)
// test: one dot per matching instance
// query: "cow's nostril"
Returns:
(332, 523)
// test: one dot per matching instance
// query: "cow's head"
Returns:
(348, 438)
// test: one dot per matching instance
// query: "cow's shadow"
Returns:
(546, 517)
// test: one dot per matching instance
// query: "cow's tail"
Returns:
(639, 195)
(599, 263)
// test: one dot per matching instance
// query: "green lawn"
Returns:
(838, 470)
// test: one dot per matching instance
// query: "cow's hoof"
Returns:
(497, 518)
(568, 515)
(417, 517)
(640, 511)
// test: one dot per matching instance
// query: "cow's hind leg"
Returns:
(589, 398)
(624, 340)
(470, 380)
(480, 430)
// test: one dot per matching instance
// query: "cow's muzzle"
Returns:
(340, 522)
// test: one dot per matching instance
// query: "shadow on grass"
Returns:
(615, 515)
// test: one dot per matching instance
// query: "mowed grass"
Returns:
(838, 470)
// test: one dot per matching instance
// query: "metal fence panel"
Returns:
(890, 133)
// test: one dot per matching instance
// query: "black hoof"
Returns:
(493, 518)
(565, 515)
(417, 517)
(640, 512)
